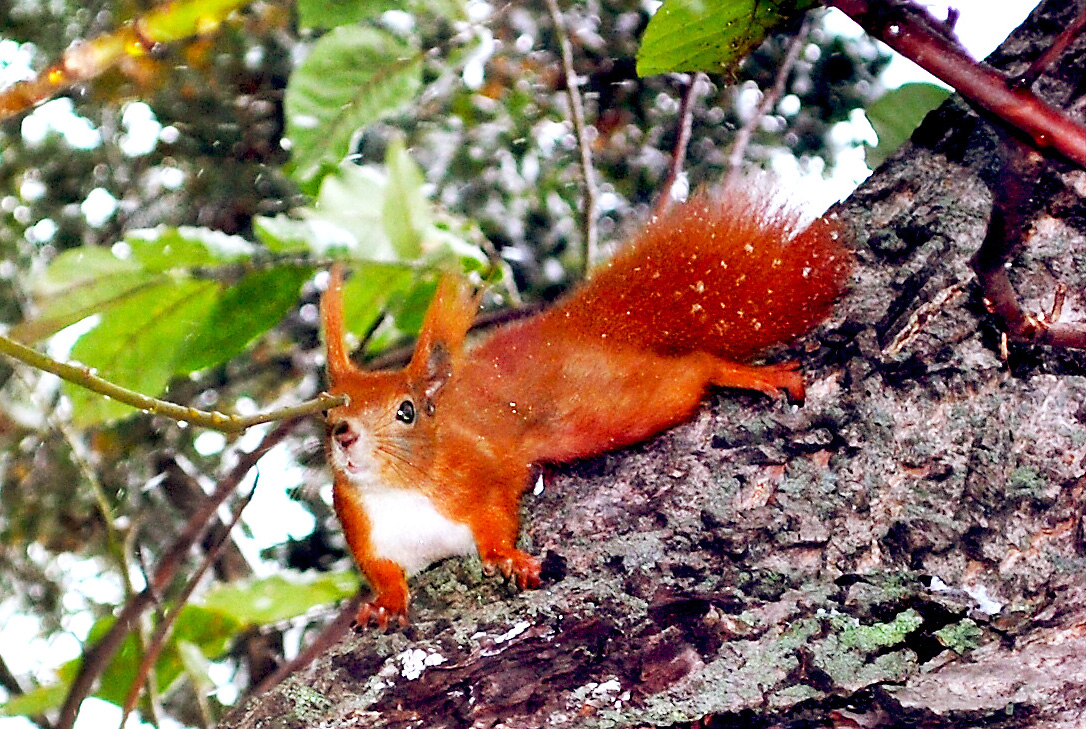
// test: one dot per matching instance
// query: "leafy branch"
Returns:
(138, 37)
(82, 376)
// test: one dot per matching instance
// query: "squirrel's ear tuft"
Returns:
(339, 362)
(441, 339)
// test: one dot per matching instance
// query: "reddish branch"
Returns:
(1019, 117)
(98, 656)
(1008, 228)
(913, 33)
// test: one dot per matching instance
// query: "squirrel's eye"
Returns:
(406, 412)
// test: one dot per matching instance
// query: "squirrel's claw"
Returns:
(519, 567)
(371, 614)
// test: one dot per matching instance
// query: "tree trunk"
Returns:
(905, 549)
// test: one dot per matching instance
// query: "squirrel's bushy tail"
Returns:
(731, 274)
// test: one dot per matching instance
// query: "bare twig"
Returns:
(913, 33)
(682, 142)
(584, 144)
(769, 100)
(1046, 59)
(96, 658)
(86, 60)
(84, 377)
(165, 627)
(324, 640)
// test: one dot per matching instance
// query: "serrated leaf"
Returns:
(897, 113)
(279, 597)
(241, 314)
(353, 76)
(406, 212)
(135, 344)
(709, 35)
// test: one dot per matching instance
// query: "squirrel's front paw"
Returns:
(378, 616)
(518, 566)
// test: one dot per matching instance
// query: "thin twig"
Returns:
(769, 100)
(84, 377)
(584, 144)
(910, 31)
(682, 142)
(165, 627)
(1054, 51)
(96, 658)
(325, 639)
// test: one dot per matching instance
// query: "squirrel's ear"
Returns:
(339, 362)
(441, 339)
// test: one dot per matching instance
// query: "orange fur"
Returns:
(431, 460)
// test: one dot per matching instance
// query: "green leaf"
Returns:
(324, 14)
(897, 113)
(710, 35)
(210, 631)
(163, 308)
(373, 215)
(196, 666)
(406, 212)
(84, 281)
(36, 702)
(242, 313)
(77, 284)
(352, 200)
(169, 249)
(368, 291)
(136, 343)
(280, 597)
(353, 77)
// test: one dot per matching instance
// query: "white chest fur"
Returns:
(407, 529)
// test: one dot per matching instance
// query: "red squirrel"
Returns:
(430, 461)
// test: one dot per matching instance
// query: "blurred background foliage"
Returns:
(192, 134)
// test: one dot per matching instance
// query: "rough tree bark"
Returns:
(905, 549)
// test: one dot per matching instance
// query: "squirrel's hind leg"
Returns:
(770, 379)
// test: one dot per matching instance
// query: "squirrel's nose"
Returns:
(343, 434)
